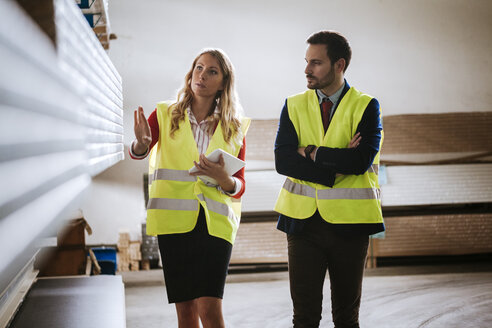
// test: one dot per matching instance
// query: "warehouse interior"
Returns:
(73, 202)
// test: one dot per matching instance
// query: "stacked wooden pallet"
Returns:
(129, 254)
(259, 242)
(440, 234)
(437, 195)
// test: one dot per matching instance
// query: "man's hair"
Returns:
(337, 45)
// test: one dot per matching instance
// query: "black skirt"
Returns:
(194, 263)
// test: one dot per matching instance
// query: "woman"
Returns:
(196, 222)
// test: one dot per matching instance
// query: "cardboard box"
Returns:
(61, 261)
(73, 233)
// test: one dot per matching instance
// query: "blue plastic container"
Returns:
(84, 4)
(106, 257)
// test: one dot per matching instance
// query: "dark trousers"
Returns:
(313, 251)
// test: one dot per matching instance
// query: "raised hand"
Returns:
(142, 131)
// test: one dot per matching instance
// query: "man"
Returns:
(328, 145)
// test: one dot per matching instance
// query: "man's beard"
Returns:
(317, 84)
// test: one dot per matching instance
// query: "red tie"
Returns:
(326, 111)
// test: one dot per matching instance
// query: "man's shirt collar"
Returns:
(333, 98)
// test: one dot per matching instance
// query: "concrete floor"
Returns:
(439, 296)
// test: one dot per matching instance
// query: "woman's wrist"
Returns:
(139, 149)
(228, 185)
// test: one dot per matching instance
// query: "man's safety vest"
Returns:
(175, 195)
(353, 198)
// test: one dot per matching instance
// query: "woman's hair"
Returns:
(226, 101)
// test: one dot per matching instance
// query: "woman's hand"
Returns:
(216, 171)
(142, 132)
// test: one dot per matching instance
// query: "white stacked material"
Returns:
(82, 57)
(437, 184)
(406, 186)
(262, 189)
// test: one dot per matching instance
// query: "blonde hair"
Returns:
(226, 101)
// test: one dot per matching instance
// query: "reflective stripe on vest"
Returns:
(172, 204)
(299, 189)
(218, 207)
(191, 205)
(349, 193)
(172, 175)
(334, 193)
(374, 169)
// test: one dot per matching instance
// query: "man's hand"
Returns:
(300, 150)
(355, 141)
(352, 144)
(142, 132)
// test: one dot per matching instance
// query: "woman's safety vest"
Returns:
(175, 196)
(353, 198)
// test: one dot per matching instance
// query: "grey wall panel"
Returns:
(25, 179)
(21, 227)
(43, 156)
(105, 136)
(84, 60)
(60, 124)
(99, 164)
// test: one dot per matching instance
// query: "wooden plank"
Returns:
(437, 133)
(259, 242)
(418, 135)
(449, 234)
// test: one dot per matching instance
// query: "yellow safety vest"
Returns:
(353, 198)
(174, 195)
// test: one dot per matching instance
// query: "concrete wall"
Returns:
(422, 56)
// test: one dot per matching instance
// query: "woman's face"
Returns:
(207, 78)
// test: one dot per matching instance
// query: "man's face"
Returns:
(320, 72)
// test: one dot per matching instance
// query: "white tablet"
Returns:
(232, 164)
